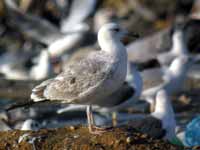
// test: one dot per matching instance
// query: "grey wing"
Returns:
(118, 97)
(148, 47)
(78, 80)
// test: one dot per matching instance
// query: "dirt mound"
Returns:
(123, 138)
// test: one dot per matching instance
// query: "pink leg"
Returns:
(91, 123)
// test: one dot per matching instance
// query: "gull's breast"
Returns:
(117, 75)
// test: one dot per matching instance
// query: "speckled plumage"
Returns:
(91, 80)
(81, 79)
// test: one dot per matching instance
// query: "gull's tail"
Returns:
(36, 96)
(19, 104)
(38, 92)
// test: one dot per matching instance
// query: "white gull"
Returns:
(58, 41)
(178, 48)
(162, 118)
(164, 112)
(173, 77)
(13, 66)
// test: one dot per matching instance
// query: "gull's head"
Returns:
(179, 45)
(177, 31)
(112, 31)
(178, 35)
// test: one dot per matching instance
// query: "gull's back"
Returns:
(80, 80)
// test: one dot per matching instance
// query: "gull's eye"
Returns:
(116, 29)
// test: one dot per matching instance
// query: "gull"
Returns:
(178, 48)
(164, 112)
(12, 67)
(43, 68)
(133, 79)
(172, 80)
(116, 101)
(147, 48)
(92, 79)
(166, 44)
(162, 118)
(73, 27)
(124, 99)
(57, 40)
(17, 69)
(164, 58)
(78, 12)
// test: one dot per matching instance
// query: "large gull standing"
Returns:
(92, 79)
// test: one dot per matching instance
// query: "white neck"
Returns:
(178, 43)
(177, 68)
(165, 113)
(43, 68)
(163, 107)
(112, 45)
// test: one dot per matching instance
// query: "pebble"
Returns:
(128, 140)
(72, 128)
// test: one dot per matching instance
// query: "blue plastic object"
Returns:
(192, 132)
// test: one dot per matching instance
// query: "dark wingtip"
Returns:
(19, 104)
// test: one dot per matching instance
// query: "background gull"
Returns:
(161, 119)
(164, 112)
(79, 11)
(152, 48)
(93, 79)
(20, 67)
(57, 41)
(147, 48)
(182, 36)
(166, 43)
(178, 47)
(172, 79)
(74, 26)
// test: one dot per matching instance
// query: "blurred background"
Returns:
(38, 38)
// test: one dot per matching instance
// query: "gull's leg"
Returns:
(91, 123)
(90, 118)
(114, 118)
